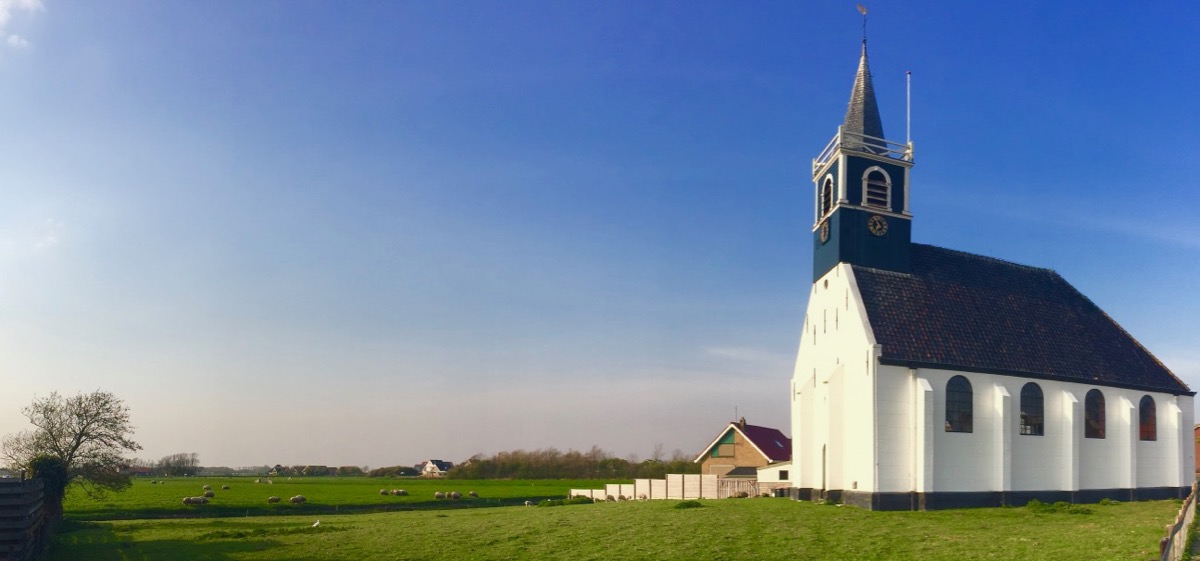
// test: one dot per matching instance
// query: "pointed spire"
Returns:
(862, 117)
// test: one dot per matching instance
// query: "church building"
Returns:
(930, 378)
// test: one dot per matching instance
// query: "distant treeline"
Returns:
(394, 471)
(551, 463)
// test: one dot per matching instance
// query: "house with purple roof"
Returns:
(740, 449)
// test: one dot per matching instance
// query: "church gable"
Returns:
(960, 311)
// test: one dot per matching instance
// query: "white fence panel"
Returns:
(658, 488)
(674, 486)
(708, 486)
(691, 486)
(641, 488)
(612, 490)
(627, 491)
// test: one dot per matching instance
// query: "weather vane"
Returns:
(863, 10)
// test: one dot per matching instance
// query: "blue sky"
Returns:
(375, 233)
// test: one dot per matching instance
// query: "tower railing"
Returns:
(858, 142)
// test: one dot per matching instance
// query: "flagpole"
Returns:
(908, 108)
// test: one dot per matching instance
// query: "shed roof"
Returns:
(968, 312)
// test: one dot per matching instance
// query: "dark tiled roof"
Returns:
(862, 115)
(773, 443)
(968, 312)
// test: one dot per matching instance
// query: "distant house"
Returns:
(433, 468)
(740, 449)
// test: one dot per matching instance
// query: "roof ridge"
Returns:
(987, 258)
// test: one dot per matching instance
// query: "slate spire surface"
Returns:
(862, 116)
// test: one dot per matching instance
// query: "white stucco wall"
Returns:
(833, 420)
(988, 460)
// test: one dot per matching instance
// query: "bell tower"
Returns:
(862, 196)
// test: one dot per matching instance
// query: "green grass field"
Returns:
(758, 528)
(326, 495)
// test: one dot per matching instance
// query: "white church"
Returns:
(930, 378)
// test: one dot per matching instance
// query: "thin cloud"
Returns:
(752, 356)
(8, 9)
(50, 235)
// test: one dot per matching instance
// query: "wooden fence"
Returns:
(22, 519)
(1174, 547)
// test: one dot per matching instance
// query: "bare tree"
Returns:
(88, 432)
(183, 463)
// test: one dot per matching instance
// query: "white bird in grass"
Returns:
(316, 524)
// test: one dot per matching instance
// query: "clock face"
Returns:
(877, 225)
(825, 231)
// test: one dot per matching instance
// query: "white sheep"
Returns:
(473, 495)
(209, 494)
(383, 491)
(439, 495)
(528, 503)
(272, 500)
(224, 487)
(208, 487)
(401, 492)
(298, 499)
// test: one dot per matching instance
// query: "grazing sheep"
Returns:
(187, 500)
(402, 492)
(439, 495)
(456, 495)
(272, 500)
(473, 495)
(208, 487)
(209, 494)
(258, 480)
(384, 492)
(528, 503)
(203, 500)
(224, 487)
(298, 499)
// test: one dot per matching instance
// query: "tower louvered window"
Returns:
(877, 189)
(1147, 419)
(1032, 410)
(826, 198)
(959, 405)
(1093, 415)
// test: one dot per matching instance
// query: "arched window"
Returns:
(1031, 410)
(826, 198)
(1147, 419)
(958, 405)
(877, 188)
(1093, 415)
